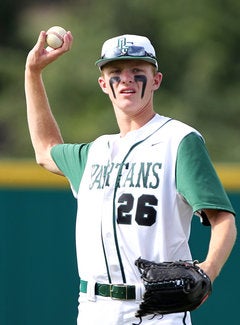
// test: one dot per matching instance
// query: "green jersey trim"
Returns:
(196, 178)
(71, 159)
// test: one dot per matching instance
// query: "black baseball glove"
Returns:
(172, 287)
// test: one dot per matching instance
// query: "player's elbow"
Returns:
(45, 160)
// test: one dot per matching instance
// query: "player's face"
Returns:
(130, 84)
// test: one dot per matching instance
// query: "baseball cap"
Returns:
(127, 47)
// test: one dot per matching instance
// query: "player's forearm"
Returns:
(43, 128)
(223, 236)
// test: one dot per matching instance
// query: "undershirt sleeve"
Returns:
(196, 178)
(71, 160)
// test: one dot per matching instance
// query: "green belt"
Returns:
(115, 291)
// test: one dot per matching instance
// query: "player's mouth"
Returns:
(127, 91)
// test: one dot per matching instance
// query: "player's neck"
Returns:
(130, 123)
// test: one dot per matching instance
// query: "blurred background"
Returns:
(198, 45)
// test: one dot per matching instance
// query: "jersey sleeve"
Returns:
(71, 160)
(196, 178)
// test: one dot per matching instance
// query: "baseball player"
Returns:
(137, 190)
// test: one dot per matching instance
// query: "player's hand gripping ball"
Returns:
(55, 36)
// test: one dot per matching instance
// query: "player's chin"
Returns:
(132, 100)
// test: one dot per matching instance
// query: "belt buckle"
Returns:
(120, 286)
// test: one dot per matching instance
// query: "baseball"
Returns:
(55, 36)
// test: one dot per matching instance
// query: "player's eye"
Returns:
(115, 72)
(136, 70)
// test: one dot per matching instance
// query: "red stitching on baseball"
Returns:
(56, 34)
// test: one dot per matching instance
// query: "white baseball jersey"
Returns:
(130, 205)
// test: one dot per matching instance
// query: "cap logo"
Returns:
(123, 44)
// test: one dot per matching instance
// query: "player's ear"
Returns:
(102, 84)
(157, 80)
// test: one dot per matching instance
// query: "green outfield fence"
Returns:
(38, 270)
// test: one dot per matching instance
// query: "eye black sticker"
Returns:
(111, 82)
(143, 79)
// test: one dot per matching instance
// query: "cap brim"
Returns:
(101, 62)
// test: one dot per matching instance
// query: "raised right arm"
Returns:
(43, 127)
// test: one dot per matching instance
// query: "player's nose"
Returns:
(127, 76)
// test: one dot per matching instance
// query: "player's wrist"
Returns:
(211, 269)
